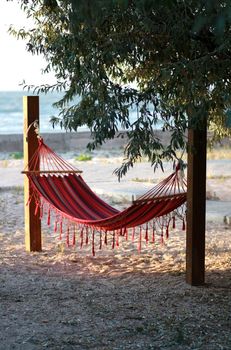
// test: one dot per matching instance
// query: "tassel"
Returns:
(93, 242)
(167, 233)
(36, 208)
(105, 238)
(153, 235)
(81, 238)
(73, 237)
(49, 217)
(153, 232)
(173, 222)
(117, 237)
(55, 226)
(126, 233)
(113, 240)
(183, 225)
(162, 236)
(100, 240)
(87, 239)
(146, 234)
(133, 234)
(140, 240)
(41, 212)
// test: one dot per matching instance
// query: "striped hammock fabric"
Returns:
(61, 193)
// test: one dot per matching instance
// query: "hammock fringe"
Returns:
(81, 234)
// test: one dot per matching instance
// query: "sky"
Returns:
(16, 64)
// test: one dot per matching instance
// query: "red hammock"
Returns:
(59, 188)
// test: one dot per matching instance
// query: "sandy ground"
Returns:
(63, 298)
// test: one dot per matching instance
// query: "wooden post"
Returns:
(30, 144)
(196, 207)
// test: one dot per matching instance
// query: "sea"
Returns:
(11, 112)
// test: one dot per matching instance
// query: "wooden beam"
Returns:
(33, 240)
(37, 172)
(196, 207)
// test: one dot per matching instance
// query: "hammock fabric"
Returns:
(60, 192)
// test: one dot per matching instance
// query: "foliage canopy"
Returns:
(168, 59)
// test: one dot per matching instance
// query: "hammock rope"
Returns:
(63, 196)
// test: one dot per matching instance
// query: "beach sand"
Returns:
(64, 298)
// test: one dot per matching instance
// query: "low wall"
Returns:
(58, 141)
(64, 142)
